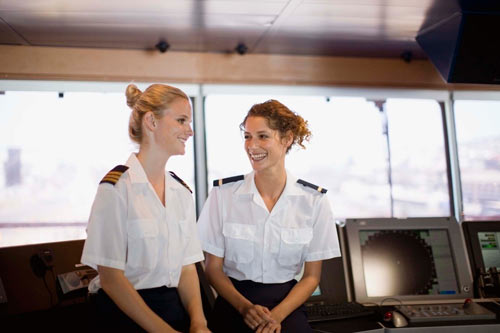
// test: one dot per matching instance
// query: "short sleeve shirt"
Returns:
(130, 229)
(263, 246)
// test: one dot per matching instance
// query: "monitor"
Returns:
(483, 240)
(407, 260)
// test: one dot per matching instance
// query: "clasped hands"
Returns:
(261, 319)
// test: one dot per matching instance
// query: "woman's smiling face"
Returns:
(174, 128)
(265, 147)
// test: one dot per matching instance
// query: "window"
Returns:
(53, 153)
(418, 158)
(348, 151)
(478, 138)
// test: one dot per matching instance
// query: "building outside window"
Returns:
(478, 139)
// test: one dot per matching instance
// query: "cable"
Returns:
(48, 290)
(56, 284)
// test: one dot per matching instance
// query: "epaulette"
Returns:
(317, 188)
(179, 180)
(114, 175)
(223, 181)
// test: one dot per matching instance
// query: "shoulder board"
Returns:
(223, 181)
(315, 187)
(179, 180)
(114, 175)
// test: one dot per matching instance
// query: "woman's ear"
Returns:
(288, 139)
(149, 121)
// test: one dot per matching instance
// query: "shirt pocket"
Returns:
(239, 242)
(143, 244)
(293, 243)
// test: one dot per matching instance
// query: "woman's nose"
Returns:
(250, 143)
(190, 131)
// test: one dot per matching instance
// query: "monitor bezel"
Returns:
(471, 230)
(457, 244)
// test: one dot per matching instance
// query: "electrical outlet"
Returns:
(47, 257)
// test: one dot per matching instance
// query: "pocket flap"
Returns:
(239, 231)
(296, 235)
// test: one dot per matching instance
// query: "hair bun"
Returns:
(133, 94)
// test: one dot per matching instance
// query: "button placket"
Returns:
(267, 247)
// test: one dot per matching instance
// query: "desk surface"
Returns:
(353, 325)
(373, 324)
(367, 324)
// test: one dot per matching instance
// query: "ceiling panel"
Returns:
(171, 7)
(338, 10)
(363, 28)
(350, 47)
(8, 35)
(214, 33)
(387, 3)
(323, 27)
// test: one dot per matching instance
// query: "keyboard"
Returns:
(444, 312)
(323, 311)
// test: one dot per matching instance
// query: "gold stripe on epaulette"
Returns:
(110, 179)
(319, 189)
(220, 182)
(114, 173)
(113, 176)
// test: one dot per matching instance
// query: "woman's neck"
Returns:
(270, 184)
(153, 164)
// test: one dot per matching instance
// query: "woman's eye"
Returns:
(181, 121)
(263, 136)
(246, 137)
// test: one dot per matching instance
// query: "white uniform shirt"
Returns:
(263, 246)
(130, 229)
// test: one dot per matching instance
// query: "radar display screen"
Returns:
(407, 262)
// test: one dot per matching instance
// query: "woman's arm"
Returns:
(121, 291)
(253, 315)
(189, 291)
(296, 297)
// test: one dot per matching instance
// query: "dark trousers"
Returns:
(226, 319)
(165, 302)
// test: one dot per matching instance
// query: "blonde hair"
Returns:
(156, 98)
(282, 119)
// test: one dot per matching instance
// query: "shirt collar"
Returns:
(249, 187)
(291, 186)
(138, 175)
(136, 171)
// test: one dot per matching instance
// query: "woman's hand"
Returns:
(269, 327)
(272, 326)
(255, 315)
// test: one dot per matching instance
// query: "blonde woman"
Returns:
(142, 236)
